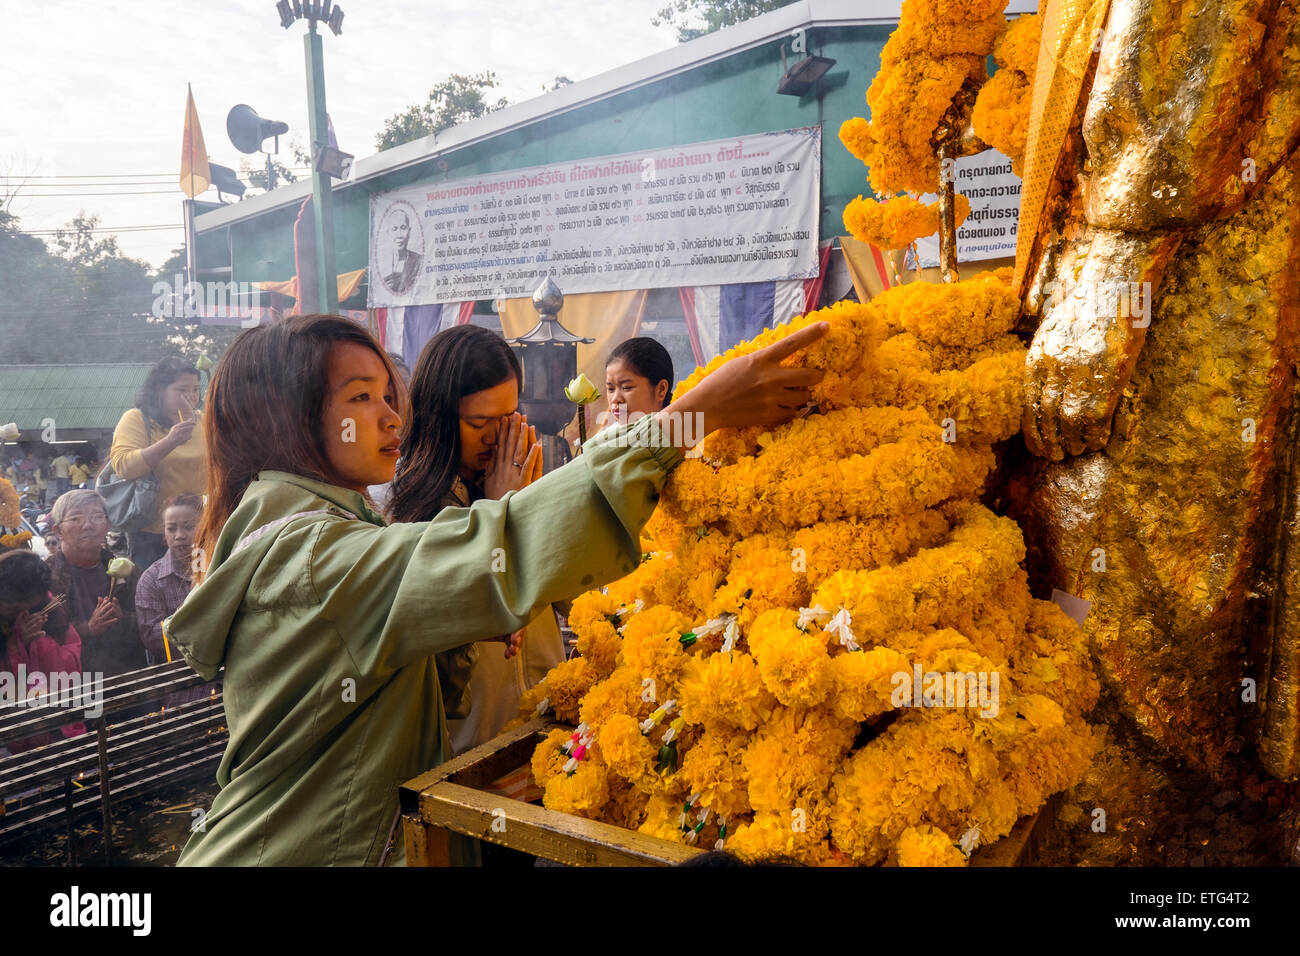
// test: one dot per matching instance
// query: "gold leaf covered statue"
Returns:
(1159, 254)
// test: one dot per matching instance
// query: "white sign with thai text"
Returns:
(989, 232)
(722, 212)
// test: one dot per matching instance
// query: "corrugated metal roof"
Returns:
(75, 396)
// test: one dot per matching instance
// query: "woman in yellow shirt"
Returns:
(169, 445)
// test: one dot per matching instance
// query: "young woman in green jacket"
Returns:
(327, 620)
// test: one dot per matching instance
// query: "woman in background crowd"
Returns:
(110, 639)
(161, 435)
(165, 583)
(466, 442)
(35, 634)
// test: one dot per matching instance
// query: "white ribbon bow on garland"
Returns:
(840, 625)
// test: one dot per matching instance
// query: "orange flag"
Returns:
(196, 177)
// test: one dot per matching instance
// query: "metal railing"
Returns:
(136, 743)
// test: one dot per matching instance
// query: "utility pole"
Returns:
(322, 189)
(325, 159)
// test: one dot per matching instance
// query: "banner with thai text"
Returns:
(736, 210)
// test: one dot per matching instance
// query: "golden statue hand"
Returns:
(1072, 383)
(1095, 321)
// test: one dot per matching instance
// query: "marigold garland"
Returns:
(1001, 113)
(897, 222)
(830, 652)
(714, 687)
(11, 513)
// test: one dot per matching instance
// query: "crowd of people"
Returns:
(43, 479)
(69, 612)
(339, 525)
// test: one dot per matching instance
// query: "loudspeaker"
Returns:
(247, 130)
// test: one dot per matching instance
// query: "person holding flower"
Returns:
(100, 595)
(327, 619)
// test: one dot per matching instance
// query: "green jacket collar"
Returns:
(346, 499)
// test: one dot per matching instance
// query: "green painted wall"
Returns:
(730, 97)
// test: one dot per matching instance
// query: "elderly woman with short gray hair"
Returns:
(102, 610)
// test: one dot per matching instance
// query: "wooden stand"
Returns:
(454, 798)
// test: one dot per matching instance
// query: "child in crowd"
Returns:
(165, 583)
(638, 379)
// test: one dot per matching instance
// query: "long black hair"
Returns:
(646, 358)
(453, 364)
(149, 398)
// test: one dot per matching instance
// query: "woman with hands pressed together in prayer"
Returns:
(466, 442)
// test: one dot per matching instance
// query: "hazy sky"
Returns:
(93, 91)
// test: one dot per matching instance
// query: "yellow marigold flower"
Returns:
(794, 666)
(792, 759)
(16, 540)
(891, 224)
(928, 846)
(915, 37)
(582, 793)
(1001, 114)
(652, 644)
(912, 473)
(854, 329)
(11, 514)
(900, 221)
(565, 685)
(715, 769)
(660, 532)
(599, 645)
(951, 11)
(589, 609)
(547, 758)
(855, 134)
(772, 837)
(661, 818)
(529, 700)
(724, 691)
(628, 753)
(620, 693)
(928, 589)
(626, 805)
(965, 314)
(762, 576)
(867, 507)
(907, 101)
(865, 543)
(1018, 47)
(862, 682)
